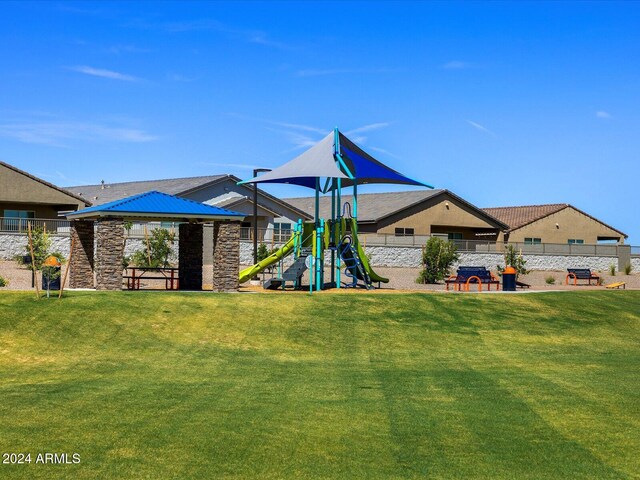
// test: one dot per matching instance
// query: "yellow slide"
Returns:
(275, 257)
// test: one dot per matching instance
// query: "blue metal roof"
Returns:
(155, 204)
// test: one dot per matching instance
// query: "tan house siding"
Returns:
(566, 224)
(441, 214)
(20, 191)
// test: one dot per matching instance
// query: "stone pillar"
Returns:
(226, 256)
(190, 256)
(109, 253)
(81, 267)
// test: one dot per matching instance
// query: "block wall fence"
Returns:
(13, 244)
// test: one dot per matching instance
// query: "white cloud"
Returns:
(456, 65)
(60, 133)
(340, 71)
(482, 128)
(227, 165)
(367, 128)
(257, 37)
(603, 114)
(103, 73)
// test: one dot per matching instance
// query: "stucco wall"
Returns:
(18, 188)
(441, 211)
(571, 224)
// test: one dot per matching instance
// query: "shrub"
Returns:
(157, 250)
(514, 259)
(627, 269)
(612, 270)
(263, 252)
(41, 243)
(550, 280)
(3, 282)
(437, 257)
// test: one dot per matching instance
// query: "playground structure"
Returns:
(332, 164)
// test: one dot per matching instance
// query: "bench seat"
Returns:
(581, 274)
(466, 276)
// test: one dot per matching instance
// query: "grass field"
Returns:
(169, 385)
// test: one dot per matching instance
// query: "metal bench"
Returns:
(472, 275)
(581, 274)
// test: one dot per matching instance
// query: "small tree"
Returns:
(263, 252)
(156, 251)
(437, 257)
(41, 244)
(514, 259)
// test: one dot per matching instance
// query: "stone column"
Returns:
(190, 256)
(109, 253)
(81, 267)
(226, 256)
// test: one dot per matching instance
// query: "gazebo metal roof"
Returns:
(155, 205)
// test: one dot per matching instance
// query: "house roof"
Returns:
(516, 217)
(373, 207)
(100, 194)
(109, 192)
(520, 216)
(44, 182)
(154, 205)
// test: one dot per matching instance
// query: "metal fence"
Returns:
(270, 236)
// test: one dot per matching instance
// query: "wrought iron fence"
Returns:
(21, 225)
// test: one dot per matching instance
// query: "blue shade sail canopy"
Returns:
(367, 169)
(320, 162)
(155, 205)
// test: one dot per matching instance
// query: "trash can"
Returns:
(55, 279)
(509, 279)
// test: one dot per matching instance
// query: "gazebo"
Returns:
(97, 236)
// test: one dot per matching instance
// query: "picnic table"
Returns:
(135, 274)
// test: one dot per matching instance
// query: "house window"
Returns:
(532, 241)
(404, 232)
(573, 241)
(246, 232)
(454, 236)
(281, 232)
(15, 220)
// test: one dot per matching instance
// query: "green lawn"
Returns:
(169, 385)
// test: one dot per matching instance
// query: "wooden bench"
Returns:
(581, 274)
(472, 275)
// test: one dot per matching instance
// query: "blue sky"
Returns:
(502, 103)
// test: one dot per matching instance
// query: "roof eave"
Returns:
(155, 216)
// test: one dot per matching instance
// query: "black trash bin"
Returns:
(509, 279)
(55, 282)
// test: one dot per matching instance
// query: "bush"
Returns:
(514, 259)
(437, 257)
(550, 280)
(263, 252)
(612, 270)
(157, 250)
(3, 282)
(627, 269)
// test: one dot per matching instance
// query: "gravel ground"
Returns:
(399, 279)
